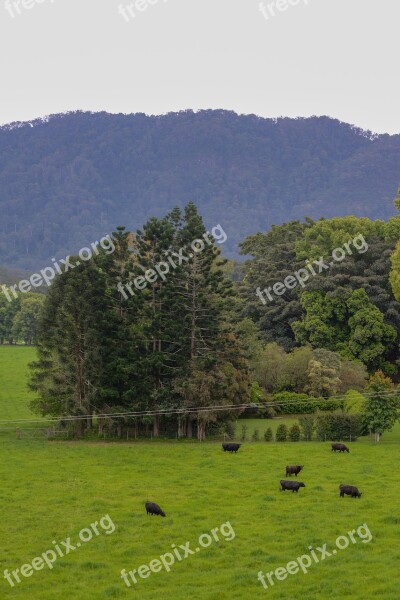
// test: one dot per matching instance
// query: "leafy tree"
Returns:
(281, 433)
(256, 436)
(295, 375)
(307, 424)
(348, 323)
(26, 320)
(8, 311)
(268, 435)
(274, 259)
(353, 402)
(381, 409)
(395, 272)
(294, 433)
(323, 380)
(86, 363)
(70, 344)
(353, 375)
(214, 360)
(270, 368)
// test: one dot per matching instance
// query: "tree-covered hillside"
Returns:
(72, 178)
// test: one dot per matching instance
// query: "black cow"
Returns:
(294, 469)
(340, 448)
(291, 485)
(153, 509)
(231, 447)
(349, 490)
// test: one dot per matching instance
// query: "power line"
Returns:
(189, 410)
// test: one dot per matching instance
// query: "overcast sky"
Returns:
(319, 57)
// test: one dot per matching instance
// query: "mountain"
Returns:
(69, 179)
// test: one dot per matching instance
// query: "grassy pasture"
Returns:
(51, 490)
(14, 395)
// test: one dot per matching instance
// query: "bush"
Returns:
(229, 430)
(256, 436)
(281, 433)
(293, 403)
(294, 433)
(243, 437)
(307, 424)
(268, 435)
(339, 426)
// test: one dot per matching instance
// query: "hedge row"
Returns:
(291, 403)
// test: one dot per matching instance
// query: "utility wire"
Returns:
(185, 410)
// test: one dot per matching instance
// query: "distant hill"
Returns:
(67, 180)
(11, 276)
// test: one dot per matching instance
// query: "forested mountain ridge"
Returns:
(69, 179)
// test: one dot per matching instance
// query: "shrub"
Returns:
(281, 433)
(307, 424)
(256, 436)
(243, 437)
(294, 433)
(339, 426)
(229, 430)
(293, 403)
(268, 435)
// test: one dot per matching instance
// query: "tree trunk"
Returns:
(201, 431)
(156, 426)
(189, 428)
(79, 428)
(377, 436)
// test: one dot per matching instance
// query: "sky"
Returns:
(292, 58)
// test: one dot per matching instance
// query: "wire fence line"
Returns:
(187, 410)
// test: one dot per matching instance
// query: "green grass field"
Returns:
(52, 490)
(14, 395)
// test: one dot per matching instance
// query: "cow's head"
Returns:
(301, 484)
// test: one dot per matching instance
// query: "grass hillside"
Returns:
(14, 393)
(51, 491)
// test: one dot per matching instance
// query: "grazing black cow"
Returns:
(349, 490)
(294, 469)
(231, 447)
(153, 509)
(340, 448)
(291, 485)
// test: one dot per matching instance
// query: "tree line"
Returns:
(172, 346)
(192, 347)
(19, 319)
